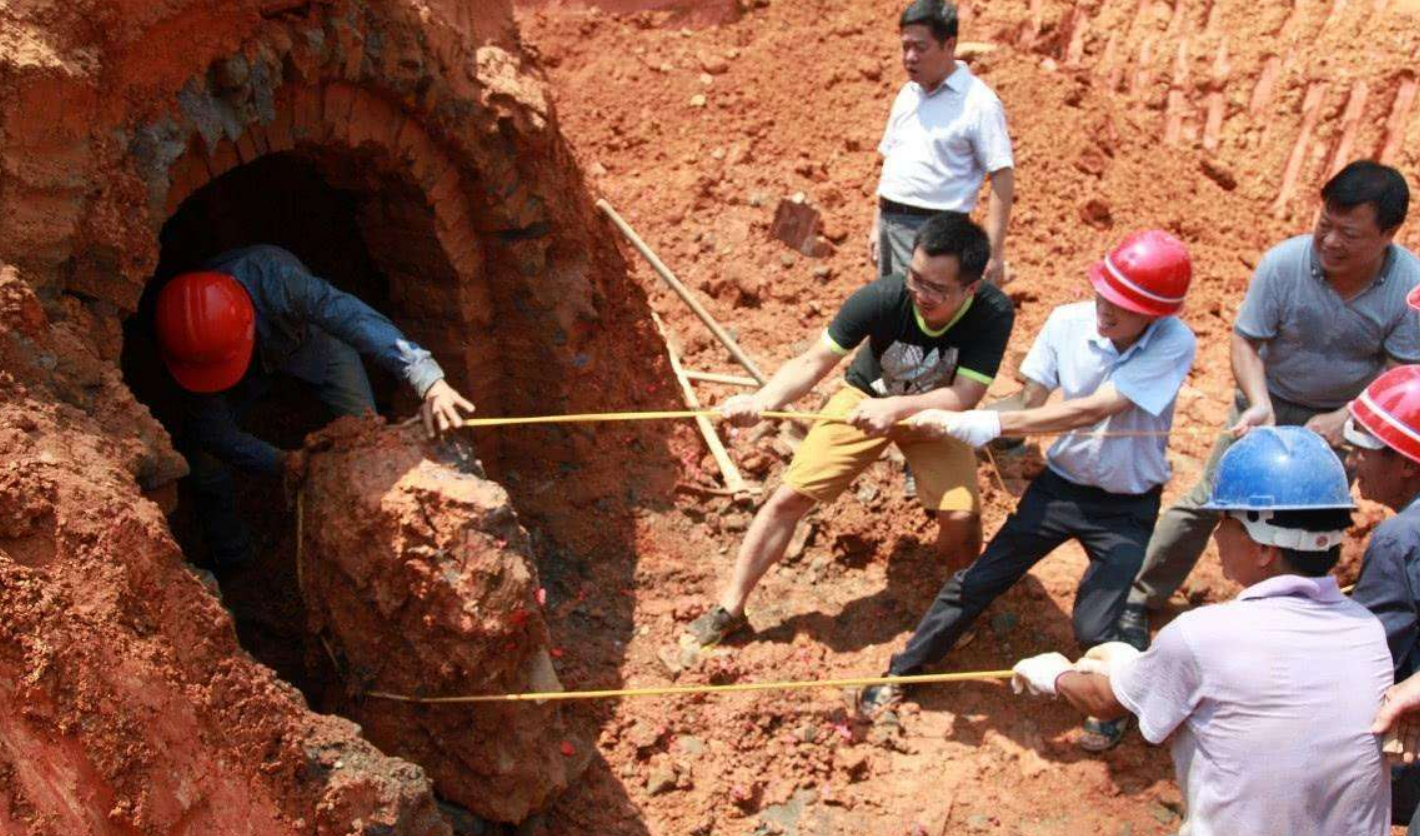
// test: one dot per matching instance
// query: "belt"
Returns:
(903, 209)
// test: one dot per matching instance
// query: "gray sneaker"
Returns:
(876, 699)
(712, 627)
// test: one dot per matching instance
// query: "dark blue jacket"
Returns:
(293, 307)
(1389, 585)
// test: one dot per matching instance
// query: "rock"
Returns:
(800, 541)
(643, 735)
(1095, 213)
(687, 746)
(1219, 173)
(869, 69)
(867, 492)
(823, 272)
(853, 761)
(714, 64)
(735, 522)
(979, 822)
(799, 225)
(1161, 813)
(430, 587)
(698, 100)
(661, 780)
(748, 287)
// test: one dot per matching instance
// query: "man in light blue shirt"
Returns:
(1119, 361)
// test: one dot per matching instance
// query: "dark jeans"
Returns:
(1113, 528)
(1404, 796)
(334, 370)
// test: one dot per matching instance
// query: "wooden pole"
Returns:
(683, 292)
(727, 379)
(734, 482)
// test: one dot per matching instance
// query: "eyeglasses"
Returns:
(931, 291)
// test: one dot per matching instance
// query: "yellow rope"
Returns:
(593, 417)
(633, 416)
(971, 676)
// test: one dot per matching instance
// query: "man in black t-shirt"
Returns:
(934, 341)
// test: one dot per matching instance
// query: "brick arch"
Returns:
(418, 219)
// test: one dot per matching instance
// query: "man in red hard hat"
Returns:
(249, 314)
(1384, 432)
(1119, 362)
(1325, 314)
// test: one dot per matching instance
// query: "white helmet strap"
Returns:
(1261, 530)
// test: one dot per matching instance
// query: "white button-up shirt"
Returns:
(1269, 699)
(938, 146)
(1070, 355)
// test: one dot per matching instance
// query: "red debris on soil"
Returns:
(419, 580)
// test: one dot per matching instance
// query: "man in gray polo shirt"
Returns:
(1324, 315)
(945, 134)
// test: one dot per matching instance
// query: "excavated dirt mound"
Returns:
(419, 581)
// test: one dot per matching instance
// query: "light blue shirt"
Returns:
(1070, 355)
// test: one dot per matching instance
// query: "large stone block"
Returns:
(416, 571)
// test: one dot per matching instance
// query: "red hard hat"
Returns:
(1414, 298)
(1389, 409)
(1147, 273)
(206, 329)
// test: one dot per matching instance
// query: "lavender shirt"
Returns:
(1269, 701)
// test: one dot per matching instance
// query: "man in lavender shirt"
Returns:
(1268, 700)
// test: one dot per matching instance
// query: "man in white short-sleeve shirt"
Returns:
(1268, 699)
(945, 134)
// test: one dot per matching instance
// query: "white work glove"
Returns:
(1038, 673)
(1107, 658)
(974, 427)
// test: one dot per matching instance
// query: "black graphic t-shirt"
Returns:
(902, 356)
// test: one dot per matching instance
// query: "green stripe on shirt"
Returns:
(833, 345)
(976, 376)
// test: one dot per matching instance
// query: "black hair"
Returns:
(1367, 181)
(937, 15)
(1311, 563)
(953, 233)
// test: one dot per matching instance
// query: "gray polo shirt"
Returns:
(1322, 350)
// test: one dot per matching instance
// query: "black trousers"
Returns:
(1405, 797)
(1114, 530)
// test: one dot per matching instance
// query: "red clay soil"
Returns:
(419, 581)
(695, 135)
(126, 705)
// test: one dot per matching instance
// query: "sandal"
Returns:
(1102, 735)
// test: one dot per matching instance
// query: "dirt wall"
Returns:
(130, 707)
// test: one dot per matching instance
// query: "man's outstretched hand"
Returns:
(441, 408)
(1399, 720)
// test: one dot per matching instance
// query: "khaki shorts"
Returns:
(833, 455)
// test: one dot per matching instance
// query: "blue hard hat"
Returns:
(1280, 469)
